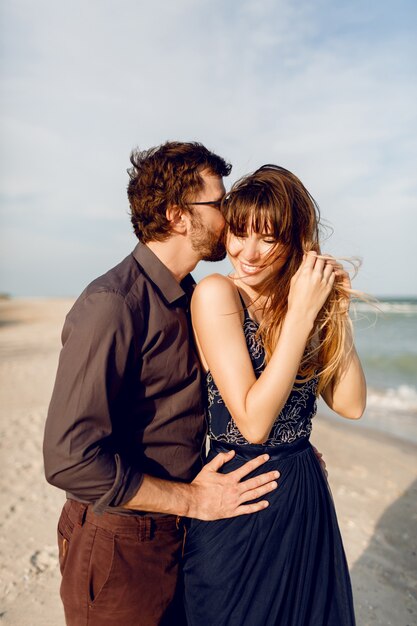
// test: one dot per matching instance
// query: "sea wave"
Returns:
(401, 398)
(392, 364)
(382, 306)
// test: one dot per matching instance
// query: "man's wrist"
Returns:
(156, 495)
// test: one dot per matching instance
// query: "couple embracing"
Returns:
(154, 531)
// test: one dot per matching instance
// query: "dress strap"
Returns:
(245, 308)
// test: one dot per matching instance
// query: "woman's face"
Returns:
(254, 256)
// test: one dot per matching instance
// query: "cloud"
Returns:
(325, 89)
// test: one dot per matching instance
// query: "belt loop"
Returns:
(145, 528)
(140, 522)
(82, 513)
(149, 528)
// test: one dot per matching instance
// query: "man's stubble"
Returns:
(209, 245)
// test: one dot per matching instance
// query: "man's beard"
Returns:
(211, 247)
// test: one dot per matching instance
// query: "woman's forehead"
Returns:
(253, 221)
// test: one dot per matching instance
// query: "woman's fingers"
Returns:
(328, 271)
(311, 285)
(319, 265)
(322, 264)
(331, 279)
(310, 259)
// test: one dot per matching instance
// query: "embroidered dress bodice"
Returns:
(292, 423)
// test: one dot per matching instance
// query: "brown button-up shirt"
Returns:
(127, 396)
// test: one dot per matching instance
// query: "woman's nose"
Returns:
(251, 249)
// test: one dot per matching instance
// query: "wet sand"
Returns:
(373, 478)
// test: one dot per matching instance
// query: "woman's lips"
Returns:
(250, 269)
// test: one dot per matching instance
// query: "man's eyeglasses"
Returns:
(216, 204)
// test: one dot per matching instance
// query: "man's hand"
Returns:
(216, 496)
(321, 461)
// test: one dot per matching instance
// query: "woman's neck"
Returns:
(254, 299)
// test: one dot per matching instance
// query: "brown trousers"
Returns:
(119, 570)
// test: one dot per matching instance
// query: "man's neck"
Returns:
(175, 255)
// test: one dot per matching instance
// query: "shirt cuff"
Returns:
(126, 483)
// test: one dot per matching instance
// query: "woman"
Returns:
(272, 337)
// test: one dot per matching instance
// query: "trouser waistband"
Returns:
(79, 513)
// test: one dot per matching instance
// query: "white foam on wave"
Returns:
(401, 398)
(402, 308)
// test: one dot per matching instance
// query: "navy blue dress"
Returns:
(285, 565)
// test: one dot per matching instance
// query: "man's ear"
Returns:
(176, 217)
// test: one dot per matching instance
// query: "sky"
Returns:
(326, 89)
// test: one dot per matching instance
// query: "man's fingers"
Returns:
(246, 509)
(258, 481)
(254, 494)
(249, 466)
(219, 460)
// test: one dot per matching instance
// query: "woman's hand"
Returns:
(311, 285)
(321, 461)
(343, 280)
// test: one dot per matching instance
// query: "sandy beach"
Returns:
(373, 479)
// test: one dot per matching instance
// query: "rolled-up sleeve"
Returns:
(79, 448)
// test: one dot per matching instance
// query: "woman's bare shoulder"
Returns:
(217, 292)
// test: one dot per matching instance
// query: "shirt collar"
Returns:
(160, 275)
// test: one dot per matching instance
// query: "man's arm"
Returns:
(211, 495)
(98, 341)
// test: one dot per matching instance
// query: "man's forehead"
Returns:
(210, 175)
(213, 181)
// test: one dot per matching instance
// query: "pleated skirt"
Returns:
(283, 566)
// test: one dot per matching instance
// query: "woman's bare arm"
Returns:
(346, 394)
(255, 403)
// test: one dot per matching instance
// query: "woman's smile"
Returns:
(248, 268)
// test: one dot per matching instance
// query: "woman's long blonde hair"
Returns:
(272, 200)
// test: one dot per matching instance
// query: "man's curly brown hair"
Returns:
(164, 176)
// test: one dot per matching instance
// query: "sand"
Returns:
(373, 479)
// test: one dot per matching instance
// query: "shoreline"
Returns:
(366, 430)
(373, 477)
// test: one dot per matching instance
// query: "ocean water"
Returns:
(386, 340)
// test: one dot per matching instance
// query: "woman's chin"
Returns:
(251, 280)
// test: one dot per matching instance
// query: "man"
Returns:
(125, 430)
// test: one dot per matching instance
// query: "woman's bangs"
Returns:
(254, 213)
(236, 214)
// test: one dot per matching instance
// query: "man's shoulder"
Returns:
(113, 298)
(125, 281)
